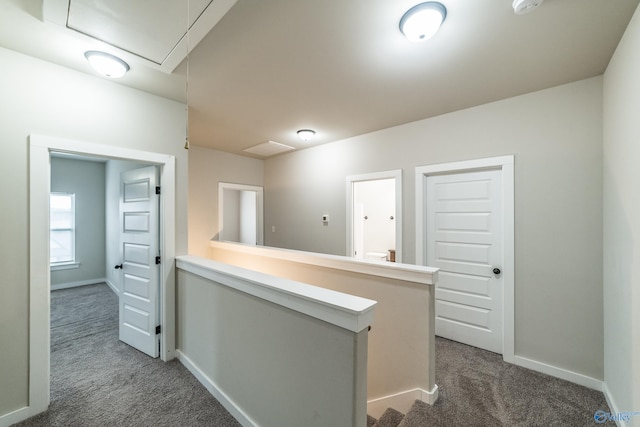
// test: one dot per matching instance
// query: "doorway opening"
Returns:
(374, 216)
(40, 149)
(240, 213)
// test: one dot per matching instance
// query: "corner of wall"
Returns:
(621, 224)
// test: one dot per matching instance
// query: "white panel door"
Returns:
(464, 240)
(139, 245)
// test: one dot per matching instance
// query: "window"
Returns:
(62, 240)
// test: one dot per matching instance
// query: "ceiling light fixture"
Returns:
(520, 7)
(423, 20)
(107, 64)
(306, 134)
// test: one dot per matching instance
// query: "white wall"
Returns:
(39, 97)
(248, 206)
(277, 366)
(556, 138)
(86, 180)
(206, 168)
(401, 347)
(622, 223)
(231, 215)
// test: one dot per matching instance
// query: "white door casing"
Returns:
(40, 147)
(140, 273)
(504, 167)
(464, 240)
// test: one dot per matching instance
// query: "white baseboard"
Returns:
(112, 286)
(220, 395)
(561, 373)
(612, 405)
(401, 401)
(79, 283)
(16, 416)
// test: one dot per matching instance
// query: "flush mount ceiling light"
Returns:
(107, 64)
(423, 20)
(520, 7)
(306, 134)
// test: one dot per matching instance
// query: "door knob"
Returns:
(496, 270)
(120, 266)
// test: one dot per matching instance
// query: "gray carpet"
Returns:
(476, 388)
(96, 380)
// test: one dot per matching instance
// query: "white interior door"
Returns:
(139, 242)
(464, 240)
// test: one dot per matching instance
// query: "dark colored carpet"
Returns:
(96, 380)
(476, 388)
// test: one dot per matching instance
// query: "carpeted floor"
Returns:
(476, 388)
(96, 380)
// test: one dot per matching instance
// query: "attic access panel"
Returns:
(149, 29)
(152, 30)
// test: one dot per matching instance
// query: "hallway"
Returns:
(97, 380)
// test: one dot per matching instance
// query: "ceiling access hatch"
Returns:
(268, 148)
(157, 32)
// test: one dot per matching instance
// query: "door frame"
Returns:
(40, 149)
(506, 165)
(351, 180)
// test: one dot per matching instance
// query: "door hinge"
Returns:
(157, 190)
(158, 329)
(158, 260)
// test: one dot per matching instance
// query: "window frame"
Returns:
(70, 263)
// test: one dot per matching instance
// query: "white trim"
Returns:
(40, 148)
(39, 276)
(561, 373)
(391, 270)
(430, 397)
(220, 395)
(113, 287)
(78, 284)
(56, 11)
(346, 311)
(16, 416)
(615, 409)
(350, 180)
(64, 266)
(259, 208)
(168, 251)
(509, 251)
(401, 401)
(506, 164)
(200, 28)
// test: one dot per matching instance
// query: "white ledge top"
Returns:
(390, 270)
(343, 310)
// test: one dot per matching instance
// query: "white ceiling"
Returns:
(271, 67)
(150, 34)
